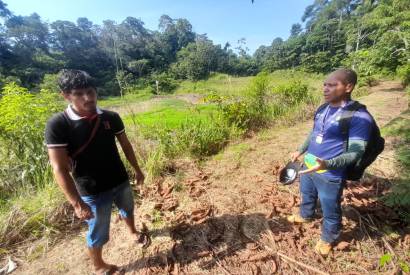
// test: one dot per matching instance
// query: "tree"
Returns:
(5, 53)
(196, 61)
(296, 29)
(4, 11)
(26, 39)
(79, 47)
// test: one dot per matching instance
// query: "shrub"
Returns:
(203, 137)
(362, 61)
(49, 83)
(247, 112)
(287, 96)
(166, 83)
(194, 137)
(369, 81)
(22, 121)
(404, 73)
(32, 206)
(292, 93)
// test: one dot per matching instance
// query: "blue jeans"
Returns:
(101, 206)
(329, 192)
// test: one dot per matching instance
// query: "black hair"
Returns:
(70, 79)
(349, 76)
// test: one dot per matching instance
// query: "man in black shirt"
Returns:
(87, 165)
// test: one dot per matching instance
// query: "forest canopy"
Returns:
(368, 35)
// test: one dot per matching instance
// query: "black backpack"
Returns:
(374, 147)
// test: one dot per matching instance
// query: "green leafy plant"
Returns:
(386, 258)
(404, 73)
(249, 111)
(22, 121)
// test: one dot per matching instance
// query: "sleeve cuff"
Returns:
(120, 132)
(57, 145)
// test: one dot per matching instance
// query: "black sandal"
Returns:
(144, 240)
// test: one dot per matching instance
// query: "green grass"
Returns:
(171, 113)
(115, 101)
(224, 84)
(216, 83)
(281, 77)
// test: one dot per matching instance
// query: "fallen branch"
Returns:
(287, 258)
(311, 268)
(293, 267)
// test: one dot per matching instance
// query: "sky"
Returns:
(222, 20)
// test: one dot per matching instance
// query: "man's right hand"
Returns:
(83, 211)
(139, 177)
(295, 155)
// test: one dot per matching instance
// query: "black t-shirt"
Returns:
(98, 167)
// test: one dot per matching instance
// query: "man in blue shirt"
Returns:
(326, 159)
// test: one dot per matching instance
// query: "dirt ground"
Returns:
(227, 215)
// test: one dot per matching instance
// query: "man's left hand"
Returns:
(321, 165)
(139, 177)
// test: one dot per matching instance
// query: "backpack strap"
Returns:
(346, 117)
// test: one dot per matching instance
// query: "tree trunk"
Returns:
(405, 41)
(359, 36)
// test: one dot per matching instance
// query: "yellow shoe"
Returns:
(323, 248)
(296, 218)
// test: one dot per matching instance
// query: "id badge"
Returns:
(319, 139)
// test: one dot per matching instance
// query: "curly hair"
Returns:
(70, 79)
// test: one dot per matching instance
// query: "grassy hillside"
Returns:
(226, 84)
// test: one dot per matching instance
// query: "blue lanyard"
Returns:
(322, 129)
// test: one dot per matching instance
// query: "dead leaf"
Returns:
(271, 214)
(256, 270)
(264, 200)
(257, 257)
(158, 206)
(167, 191)
(274, 267)
(192, 181)
(204, 253)
(171, 205)
(199, 215)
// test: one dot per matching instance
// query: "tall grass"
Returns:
(24, 169)
(194, 135)
(23, 115)
(31, 215)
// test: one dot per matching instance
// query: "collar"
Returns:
(73, 116)
(343, 104)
